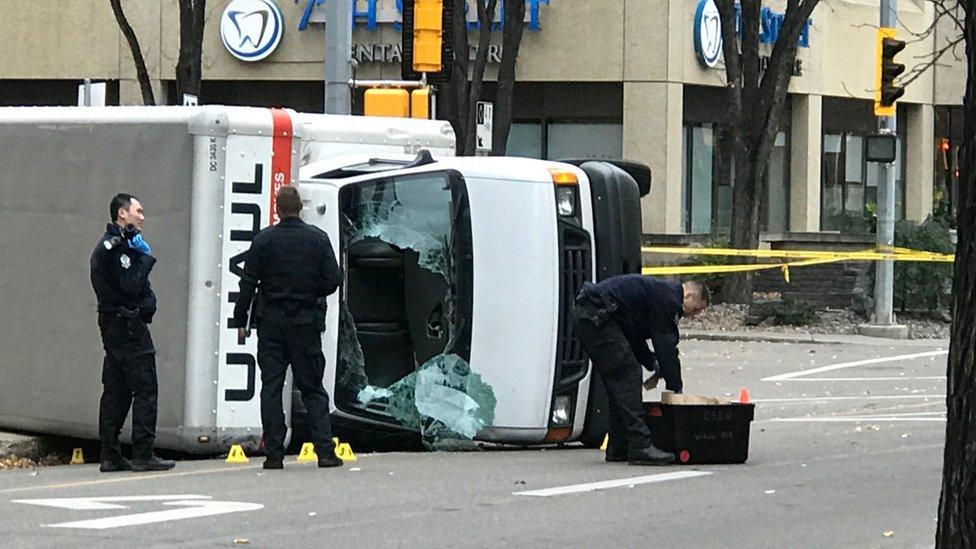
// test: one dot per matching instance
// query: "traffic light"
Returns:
(386, 102)
(886, 71)
(427, 45)
(420, 103)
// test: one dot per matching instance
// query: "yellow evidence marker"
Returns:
(308, 453)
(236, 455)
(343, 450)
(77, 457)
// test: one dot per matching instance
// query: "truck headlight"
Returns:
(566, 201)
(561, 407)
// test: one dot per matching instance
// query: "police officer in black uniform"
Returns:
(293, 267)
(120, 267)
(614, 319)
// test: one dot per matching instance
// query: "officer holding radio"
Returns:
(120, 267)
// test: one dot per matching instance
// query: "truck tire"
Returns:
(616, 199)
(597, 421)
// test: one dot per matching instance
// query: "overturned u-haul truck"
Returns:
(459, 273)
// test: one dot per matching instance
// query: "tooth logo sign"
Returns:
(708, 34)
(251, 29)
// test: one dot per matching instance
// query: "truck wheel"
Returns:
(597, 417)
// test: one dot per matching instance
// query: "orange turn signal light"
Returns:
(563, 177)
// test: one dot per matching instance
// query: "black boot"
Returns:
(616, 454)
(112, 465)
(273, 464)
(650, 456)
(330, 460)
(153, 463)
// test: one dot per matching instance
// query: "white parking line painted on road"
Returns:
(591, 486)
(854, 419)
(101, 503)
(843, 365)
(892, 378)
(194, 506)
(833, 398)
(137, 477)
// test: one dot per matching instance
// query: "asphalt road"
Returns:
(846, 448)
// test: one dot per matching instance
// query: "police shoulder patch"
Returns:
(126, 262)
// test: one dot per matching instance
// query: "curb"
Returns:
(24, 446)
(776, 337)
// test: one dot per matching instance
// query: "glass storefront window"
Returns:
(581, 140)
(525, 139)
(707, 173)
(555, 140)
(778, 189)
(849, 186)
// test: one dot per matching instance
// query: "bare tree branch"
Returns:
(142, 74)
(916, 72)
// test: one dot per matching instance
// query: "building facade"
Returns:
(596, 78)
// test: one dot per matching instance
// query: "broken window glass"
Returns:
(404, 331)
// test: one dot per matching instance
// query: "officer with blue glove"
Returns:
(120, 267)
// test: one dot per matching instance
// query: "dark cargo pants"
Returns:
(281, 342)
(622, 375)
(128, 381)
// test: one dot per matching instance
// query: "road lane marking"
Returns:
(844, 365)
(603, 485)
(833, 398)
(100, 503)
(194, 506)
(893, 378)
(129, 478)
(855, 419)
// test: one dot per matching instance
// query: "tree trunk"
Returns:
(511, 42)
(457, 88)
(189, 70)
(957, 505)
(130, 36)
(756, 103)
(486, 15)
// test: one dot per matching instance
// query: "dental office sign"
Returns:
(370, 14)
(708, 31)
(251, 29)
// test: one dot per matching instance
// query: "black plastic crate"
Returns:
(701, 433)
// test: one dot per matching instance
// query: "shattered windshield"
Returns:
(405, 320)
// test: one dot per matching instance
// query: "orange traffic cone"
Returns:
(743, 396)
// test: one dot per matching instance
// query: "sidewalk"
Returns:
(780, 337)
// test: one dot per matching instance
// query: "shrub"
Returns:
(713, 281)
(923, 286)
(788, 312)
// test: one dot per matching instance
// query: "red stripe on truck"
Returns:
(280, 156)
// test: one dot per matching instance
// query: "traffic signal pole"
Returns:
(338, 56)
(884, 273)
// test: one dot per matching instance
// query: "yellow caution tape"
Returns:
(886, 254)
(805, 259)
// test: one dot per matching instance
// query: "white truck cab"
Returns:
(460, 275)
